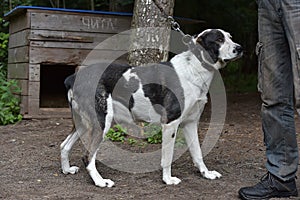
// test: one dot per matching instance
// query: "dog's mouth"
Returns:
(234, 58)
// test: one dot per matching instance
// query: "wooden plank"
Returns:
(23, 84)
(57, 111)
(18, 55)
(34, 89)
(64, 45)
(45, 35)
(69, 56)
(57, 55)
(19, 23)
(17, 71)
(60, 36)
(75, 45)
(24, 105)
(19, 39)
(77, 40)
(79, 22)
(34, 72)
(46, 113)
(33, 106)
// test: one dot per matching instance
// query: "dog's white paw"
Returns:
(71, 170)
(211, 174)
(172, 181)
(105, 183)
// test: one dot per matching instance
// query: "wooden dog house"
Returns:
(46, 45)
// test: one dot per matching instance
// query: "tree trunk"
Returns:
(150, 29)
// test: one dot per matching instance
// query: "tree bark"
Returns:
(150, 28)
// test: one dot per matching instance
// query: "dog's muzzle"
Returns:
(238, 50)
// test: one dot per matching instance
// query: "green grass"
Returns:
(152, 135)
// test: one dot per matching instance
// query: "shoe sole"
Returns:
(279, 195)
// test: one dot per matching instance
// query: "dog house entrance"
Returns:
(52, 88)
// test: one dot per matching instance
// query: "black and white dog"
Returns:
(130, 94)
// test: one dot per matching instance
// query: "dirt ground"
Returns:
(30, 162)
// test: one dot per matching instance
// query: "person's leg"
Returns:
(291, 10)
(276, 85)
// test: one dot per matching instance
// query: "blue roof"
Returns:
(22, 8)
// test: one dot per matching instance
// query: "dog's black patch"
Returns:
(101, 104)
(162, 86)
(173, 135)
(106, 85)
(131, 103)
(211, 41)
(112, 75)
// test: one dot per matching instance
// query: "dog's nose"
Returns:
(238, 49)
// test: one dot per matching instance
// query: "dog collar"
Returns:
(201, 55)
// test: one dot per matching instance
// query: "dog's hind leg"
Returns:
(97, 138)
(65, 150)
(91, 167)
(192, 140)
(169, 132)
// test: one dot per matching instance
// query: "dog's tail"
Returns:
(69, 83)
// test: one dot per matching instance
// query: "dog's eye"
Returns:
(220, 40)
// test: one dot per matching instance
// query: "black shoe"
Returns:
(269, 187)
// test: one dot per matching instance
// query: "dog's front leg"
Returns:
(192, 140)
(168, 140)
(97, 178)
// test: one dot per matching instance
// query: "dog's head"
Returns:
(218, 44)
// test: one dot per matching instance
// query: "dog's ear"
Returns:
(211, 47)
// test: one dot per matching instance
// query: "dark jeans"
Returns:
(279, 80)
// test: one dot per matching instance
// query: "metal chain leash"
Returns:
(186, 38)
(174, 24)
